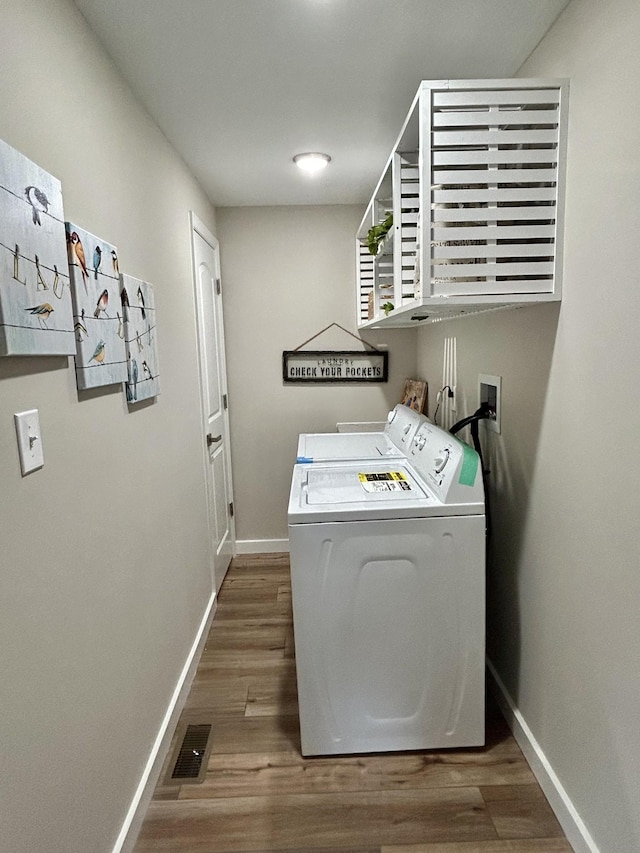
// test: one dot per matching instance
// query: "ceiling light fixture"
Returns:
(312, 162)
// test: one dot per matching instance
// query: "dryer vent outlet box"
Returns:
(490, 391)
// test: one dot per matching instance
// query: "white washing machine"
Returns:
(388, 583)
(394, 442)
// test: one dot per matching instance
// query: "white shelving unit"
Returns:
(475, 183)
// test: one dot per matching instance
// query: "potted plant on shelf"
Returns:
(377, 233)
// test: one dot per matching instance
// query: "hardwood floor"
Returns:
(259, 794)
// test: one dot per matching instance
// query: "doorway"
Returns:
(214, 397)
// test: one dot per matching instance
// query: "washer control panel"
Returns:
(448, 467)
(441, 461)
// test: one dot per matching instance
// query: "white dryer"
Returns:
(394, 442)
(388, 583)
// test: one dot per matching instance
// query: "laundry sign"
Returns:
(332, 366)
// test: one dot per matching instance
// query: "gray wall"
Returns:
(99, 606)
(104, 558)
(287, 273)
(564, 579)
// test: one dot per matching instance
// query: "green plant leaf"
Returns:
(377, 233)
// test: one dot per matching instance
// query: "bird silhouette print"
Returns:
(134, 376)
(141, 302)
(98, 355)
(38, 201)
(42, 312)
(101, 304)
(78, 251)
(124, 299)
(97, 258)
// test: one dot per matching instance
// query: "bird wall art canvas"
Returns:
(97, 314)
(139, 314)
(35, 297)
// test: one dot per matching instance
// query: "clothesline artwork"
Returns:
(139, 313)
(97, 313)
(35, 297)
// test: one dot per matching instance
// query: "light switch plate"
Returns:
(29, 440)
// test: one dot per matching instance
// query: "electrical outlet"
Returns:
(490, 391)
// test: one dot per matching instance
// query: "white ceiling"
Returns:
(240, 86)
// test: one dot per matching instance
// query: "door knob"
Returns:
(211, 440)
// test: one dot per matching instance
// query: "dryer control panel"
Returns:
(449, 467)
(402, 425)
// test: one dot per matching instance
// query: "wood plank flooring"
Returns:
(260, 795)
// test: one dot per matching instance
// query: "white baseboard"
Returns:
(262, 546)
(570, 821)
(144, 792)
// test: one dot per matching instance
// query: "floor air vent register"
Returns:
(189, 761)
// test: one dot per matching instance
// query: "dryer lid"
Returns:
(329, 446)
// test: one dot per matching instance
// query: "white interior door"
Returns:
(213, 382)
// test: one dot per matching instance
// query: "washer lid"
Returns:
(365, 490)
(362, 484)
(358, 491)
(329, 446)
